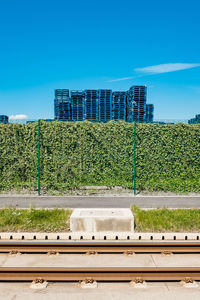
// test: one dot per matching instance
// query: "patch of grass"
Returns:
(166, 220)
(54, 220)
(41, 220)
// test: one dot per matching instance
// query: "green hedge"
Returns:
(84, 153)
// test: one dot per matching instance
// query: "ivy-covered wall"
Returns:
(84, 153)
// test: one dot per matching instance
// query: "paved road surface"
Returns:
(99, 202)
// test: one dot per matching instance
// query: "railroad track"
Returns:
(90, 274)
(100, 246)
(99, 274)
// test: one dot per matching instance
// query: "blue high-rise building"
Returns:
(62, 105)
(78, 107)
(103, 105)
(3, 119)
(119, 105)
(92, 105)
(149, 113)
(136, 104)
(195, 120)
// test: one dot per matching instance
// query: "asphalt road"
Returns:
(99, 202)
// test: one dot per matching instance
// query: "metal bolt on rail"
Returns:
(188, 280)
(167, 253)
(91, 253)
(14, 252)
(129, 253)
(52, 252)
(38, 280)
(139, 280)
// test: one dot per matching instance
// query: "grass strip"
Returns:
(166, 220)
(34, 220)
(54, 220)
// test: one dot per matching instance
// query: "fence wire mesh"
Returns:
(50, 157)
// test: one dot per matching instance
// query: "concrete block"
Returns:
(102, 220)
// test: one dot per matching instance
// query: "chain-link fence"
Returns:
(62, 156)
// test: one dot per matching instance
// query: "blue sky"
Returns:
(92, 44)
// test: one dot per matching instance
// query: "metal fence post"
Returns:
(38, 157)
(134, 175)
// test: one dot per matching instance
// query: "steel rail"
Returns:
(100, 274)
(99, 246)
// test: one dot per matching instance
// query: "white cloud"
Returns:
(18, 117)
(120, 79)
(165, 68)
(157, 69)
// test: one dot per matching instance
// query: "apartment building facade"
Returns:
(103, 105)
(3, 119)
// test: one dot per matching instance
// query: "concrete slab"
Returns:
(177, 260)
(3, 259)
(114, 291)
(79, 260)
(102, 220)
(100, 260)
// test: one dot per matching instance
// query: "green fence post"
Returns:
(38, 157)
(134, 176)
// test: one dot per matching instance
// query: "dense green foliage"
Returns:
(163, 220)
(84, 153)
